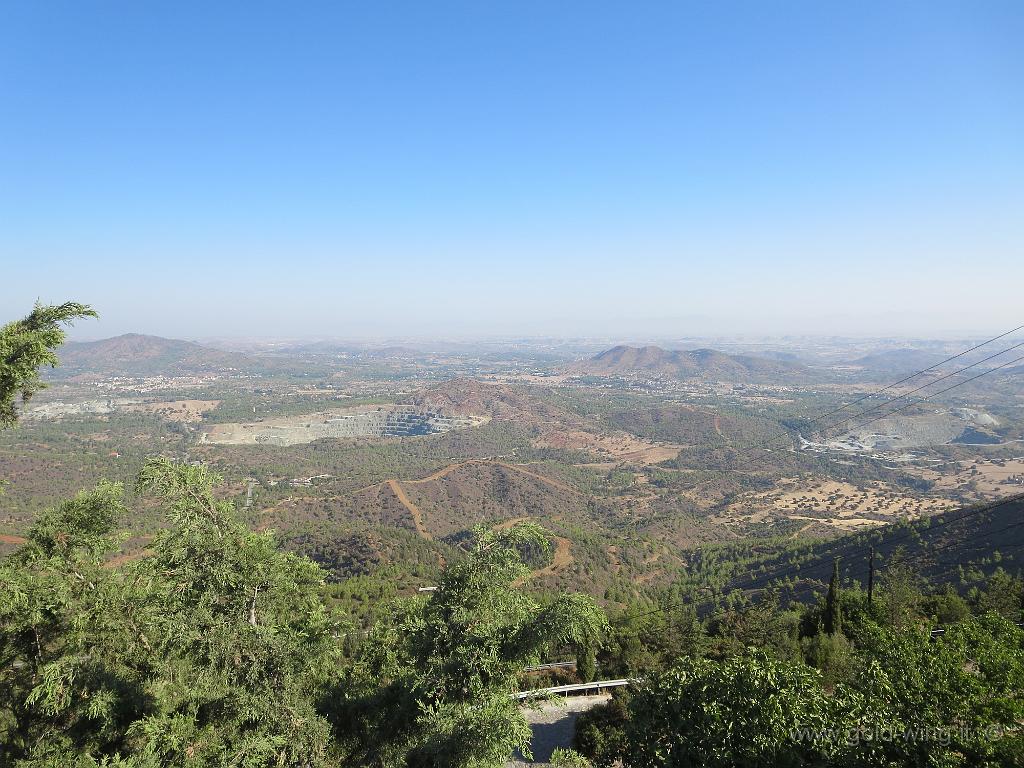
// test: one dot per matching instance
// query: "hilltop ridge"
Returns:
(136, 354)
(463, 396)
(684, 364)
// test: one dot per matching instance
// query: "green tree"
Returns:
(956, 700)
(914, 701)
(433, 686)
(26, 346)
(901, 597)
(1002, 594)
(210, 651)
(243, 641)
(586, 663)
(832, 655)
(761, 624)
(71, 671)
(947, 607)
(629, 649)
(833, 610)
(740, 712)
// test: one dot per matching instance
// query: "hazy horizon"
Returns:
(89, 330)
(461, 169)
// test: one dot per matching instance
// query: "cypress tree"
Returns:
(833, 612)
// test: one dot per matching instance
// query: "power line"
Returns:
(922, 558)
(1004, 529)
(926, 555)
(942, 391)
(912, 529)
(1009, 500)
(743, 452)
(795, 570)
(920, 400)
(929, 384)
(919, 373)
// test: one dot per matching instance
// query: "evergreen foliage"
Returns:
(27, 345)
(833, 609)
(208, 651)
(433, 685)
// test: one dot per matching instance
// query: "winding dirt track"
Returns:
(535, 476)
(798, 533)
(417, 514)
(441, 473)
(414, 511)
(562, 556)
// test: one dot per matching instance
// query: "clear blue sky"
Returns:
(300, 168)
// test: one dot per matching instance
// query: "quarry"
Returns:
(899, 432)
(371, 421)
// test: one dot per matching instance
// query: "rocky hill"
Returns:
(687, 364)
(469, 397)
(136, 354)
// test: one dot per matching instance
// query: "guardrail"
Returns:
(552, 665)
(576, 689)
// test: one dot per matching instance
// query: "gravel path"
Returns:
(553, 725)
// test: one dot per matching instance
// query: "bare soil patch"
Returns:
(620, 447)
(417, 514)
(841, 506)
(986, 478)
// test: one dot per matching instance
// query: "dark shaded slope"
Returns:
(985, 536)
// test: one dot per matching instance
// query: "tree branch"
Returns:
(252, 606)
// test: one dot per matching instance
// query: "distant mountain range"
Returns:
(900, 360)
(687, 364)
(903, 361)
(135, 354)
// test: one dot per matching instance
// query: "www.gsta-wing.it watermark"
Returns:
(939, 735)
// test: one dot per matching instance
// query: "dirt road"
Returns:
(562, 556)
(414, 511)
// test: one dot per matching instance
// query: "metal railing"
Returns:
(576, 689)
(552, 665)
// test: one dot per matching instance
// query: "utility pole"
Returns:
(871, 577)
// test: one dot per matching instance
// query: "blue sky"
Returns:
(435, 168)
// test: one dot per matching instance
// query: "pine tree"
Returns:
(212, 649)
